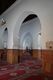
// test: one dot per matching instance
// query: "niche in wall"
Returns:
(49, 45)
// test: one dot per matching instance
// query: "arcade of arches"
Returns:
(30, 31)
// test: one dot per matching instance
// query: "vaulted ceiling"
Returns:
(5, 4)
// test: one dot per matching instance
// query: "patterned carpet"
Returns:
(28, 70)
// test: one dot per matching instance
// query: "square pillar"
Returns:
(12, 56)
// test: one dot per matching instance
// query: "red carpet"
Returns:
(35, 78)
(21, 71)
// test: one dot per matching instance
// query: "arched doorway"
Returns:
(5, 40)
(28, 23)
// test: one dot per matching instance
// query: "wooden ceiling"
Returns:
(5, 4)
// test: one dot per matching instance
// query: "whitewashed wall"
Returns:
(15, 15)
